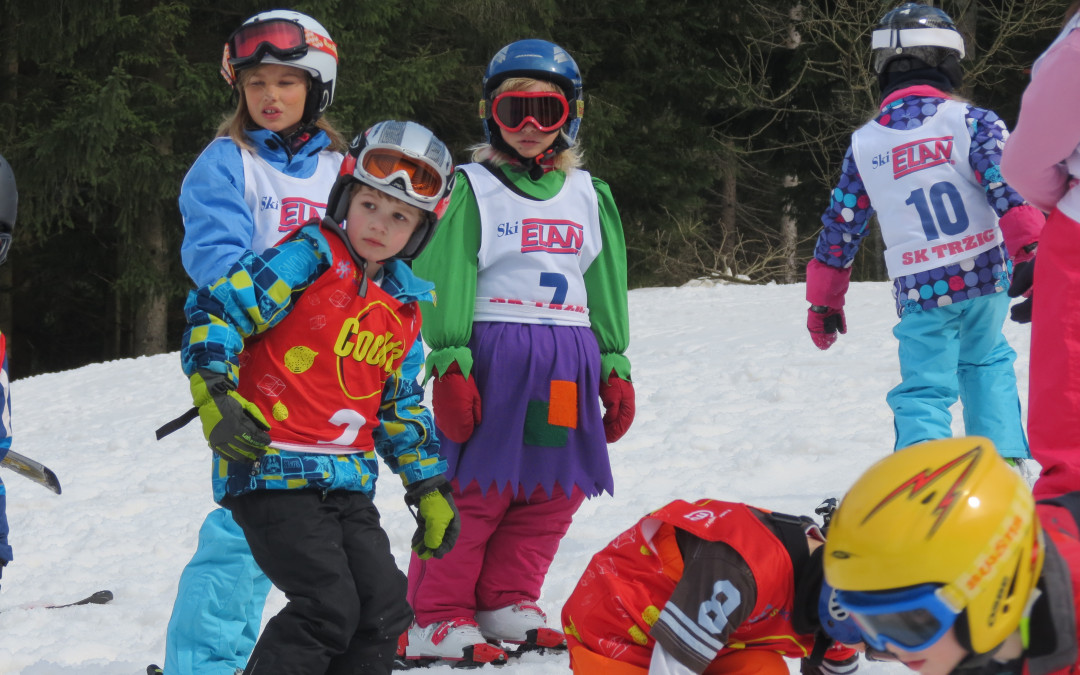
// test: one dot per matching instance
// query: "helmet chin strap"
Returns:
(973, 661)
(294, 141)
(534, 165)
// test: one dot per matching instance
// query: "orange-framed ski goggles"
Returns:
(423, 180)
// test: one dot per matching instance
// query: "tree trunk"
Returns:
(789, 236)
(724, 238)
(151, 307)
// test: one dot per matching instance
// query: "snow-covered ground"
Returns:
(733, 402)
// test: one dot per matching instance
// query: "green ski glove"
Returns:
(234, 427)
(437, 521)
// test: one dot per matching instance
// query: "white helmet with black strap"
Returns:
(287, 38)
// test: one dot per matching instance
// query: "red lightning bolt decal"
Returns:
(922, 481)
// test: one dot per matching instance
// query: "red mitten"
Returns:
(1021, 227)
(823, 324)
(618, 397)
(456, 402)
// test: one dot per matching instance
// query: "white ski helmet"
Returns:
(286, 38)
(404, 160)
(9, 206)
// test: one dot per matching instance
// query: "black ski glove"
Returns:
(1023, 277)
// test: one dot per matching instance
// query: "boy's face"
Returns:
(530, 141)
(378, 226)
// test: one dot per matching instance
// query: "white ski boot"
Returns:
(456, 641)
(522, 623)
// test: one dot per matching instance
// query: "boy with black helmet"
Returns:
(9, 206)
(328, 322)
(927, 164)
(528, 336)
(942, 557)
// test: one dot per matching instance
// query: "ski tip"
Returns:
(100, 598)
(53, 483)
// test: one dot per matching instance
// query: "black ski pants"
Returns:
(331, 558)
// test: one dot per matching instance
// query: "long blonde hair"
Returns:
(566, 161)
(236, 124)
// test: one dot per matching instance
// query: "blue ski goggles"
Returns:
(911, 619)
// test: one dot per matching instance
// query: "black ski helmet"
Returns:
(914, 36)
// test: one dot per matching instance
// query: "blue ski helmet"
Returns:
(538, 60)
(835, 620)
(9, 206)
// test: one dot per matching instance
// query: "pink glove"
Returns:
(826, 287)
(618, 397)
(823, 324)
(457, 404)
(1020, 228)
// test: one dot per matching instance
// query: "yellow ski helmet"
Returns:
(948, 521)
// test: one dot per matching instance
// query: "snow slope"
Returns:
(733, 402)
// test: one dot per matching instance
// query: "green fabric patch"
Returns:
(539, 432)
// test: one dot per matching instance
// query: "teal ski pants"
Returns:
(219, 603)
(958, 352)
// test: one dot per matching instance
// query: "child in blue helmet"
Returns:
(927, 163)
(268, 172)
(528, 335)
(9, 203)
(709, 587)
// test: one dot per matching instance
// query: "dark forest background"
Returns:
(719, 124)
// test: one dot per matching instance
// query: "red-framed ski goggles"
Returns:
(281, 38)
(547, 110)
(912, 619)
(423, 180)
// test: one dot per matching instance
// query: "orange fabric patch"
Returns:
(562, 405)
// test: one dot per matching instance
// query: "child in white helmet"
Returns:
(927, 164)
(268, 172)
(328, 324)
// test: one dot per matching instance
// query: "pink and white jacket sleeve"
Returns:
(1048, 128)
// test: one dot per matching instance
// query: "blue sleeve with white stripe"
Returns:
(5, 445)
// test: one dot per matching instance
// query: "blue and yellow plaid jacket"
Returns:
(259, 291)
